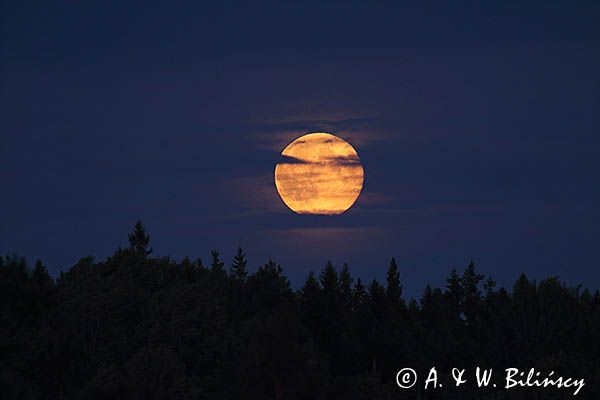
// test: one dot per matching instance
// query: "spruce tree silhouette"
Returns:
(454, 293)
(40, 274)
(216, 266)
(139, 240)
(311, 288)
(394, 288)
(238, 267)
(329, 281)
(153, 328)
(345, 284)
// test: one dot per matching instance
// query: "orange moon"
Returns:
(319, 174)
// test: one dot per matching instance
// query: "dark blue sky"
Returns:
(478, 125)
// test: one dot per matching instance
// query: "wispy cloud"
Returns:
(357, 131)
(346, 160)
(256, 195)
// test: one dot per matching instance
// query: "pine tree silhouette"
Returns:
(40, 274)
(311, 288)
(394, 288)
(156, 328)
(345, 284)
(139, 240)
(216, 265)
(329, 280)
(238, 267)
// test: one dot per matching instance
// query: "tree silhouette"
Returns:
(40, 274)
(133, 326)
(216, 266)
(329, 280)
(238, 268)
(345, 285)
(394, 288)
(139, 240)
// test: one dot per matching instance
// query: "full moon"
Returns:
(319, 174)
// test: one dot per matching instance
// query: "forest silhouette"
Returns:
(141, 327)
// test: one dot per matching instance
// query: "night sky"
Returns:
(477, 124)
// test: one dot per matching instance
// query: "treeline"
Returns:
(139, 327)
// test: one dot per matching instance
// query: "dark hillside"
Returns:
(139, 327)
